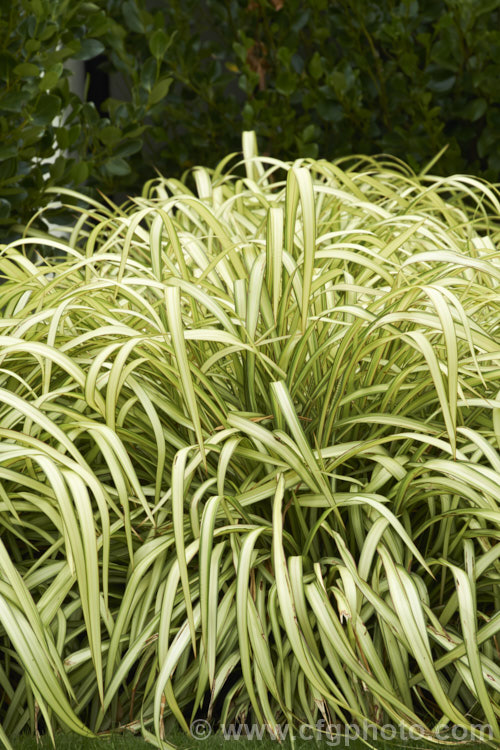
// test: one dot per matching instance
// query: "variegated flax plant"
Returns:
(249, 454)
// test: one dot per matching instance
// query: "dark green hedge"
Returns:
(312, 78)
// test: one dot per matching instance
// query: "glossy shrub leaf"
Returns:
(160, 90)
(158, 43)
(117, 166)
(89, 48)
(26, 70)
(48, 107)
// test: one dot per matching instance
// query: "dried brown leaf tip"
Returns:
(255, 5)
(257, 61)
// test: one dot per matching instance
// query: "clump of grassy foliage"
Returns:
(249, 454)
